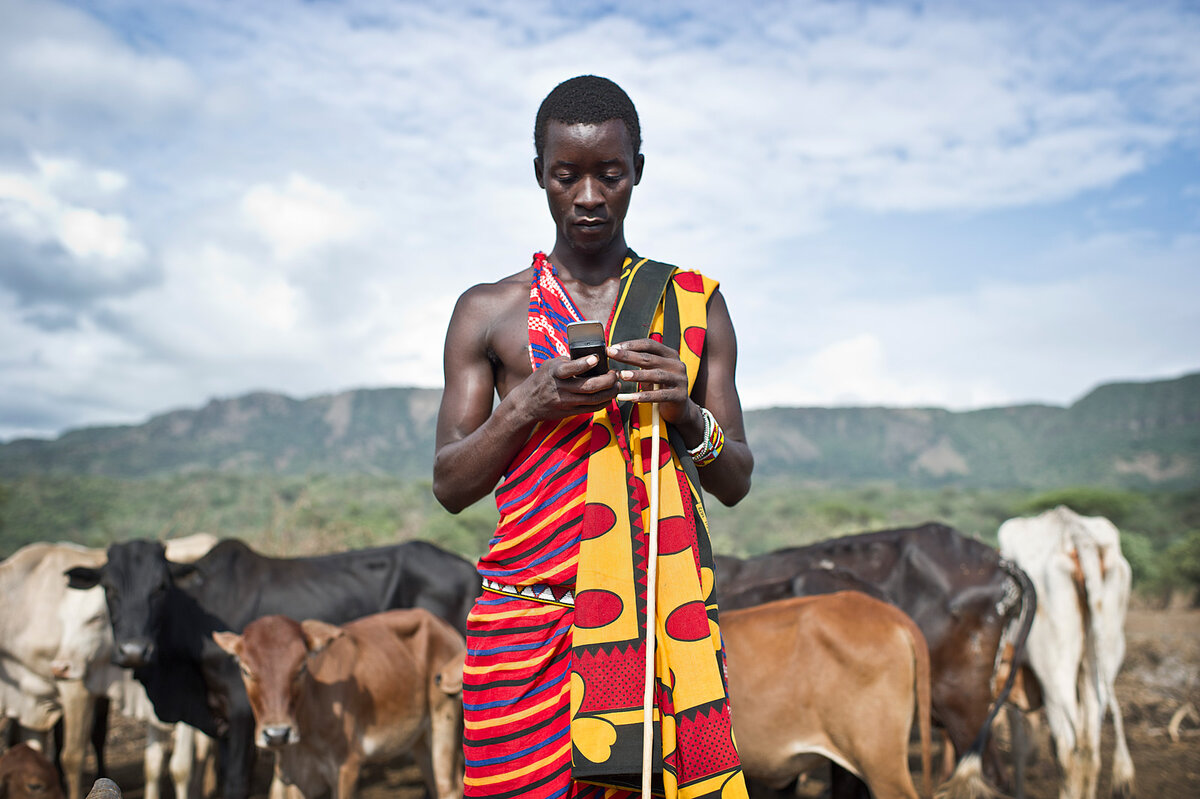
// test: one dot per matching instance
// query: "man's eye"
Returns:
(611, 178)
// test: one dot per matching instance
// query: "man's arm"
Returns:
(473, 447)
(476, 444)
(728, 477)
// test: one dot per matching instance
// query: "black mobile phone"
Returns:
(587, 338)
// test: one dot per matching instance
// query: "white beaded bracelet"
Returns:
(709, 447)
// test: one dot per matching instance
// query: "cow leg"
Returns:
(152, 762)
(445, 744)
(1088, 746)
(1112, 645)
(205, 776)
(348, 777)
(422, 752)
(280, 788)
(78, 713)
(884, 766)
(1122, 770)
(948, 758)
(183, 759)
(239, 763)
(100, 733)
(1018, 735)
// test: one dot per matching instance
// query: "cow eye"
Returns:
(245, 670)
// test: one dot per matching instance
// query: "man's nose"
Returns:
(590, 195)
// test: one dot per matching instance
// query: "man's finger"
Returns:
(573, 368)
(641, 346)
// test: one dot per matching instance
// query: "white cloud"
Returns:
(303, 189)
(300, 216)
(86, 233)
(67, 66)
(31, 208)
(1088, 319)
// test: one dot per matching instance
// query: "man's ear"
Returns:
(537, 171)
(639, 161)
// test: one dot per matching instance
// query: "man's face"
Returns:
(588, 172)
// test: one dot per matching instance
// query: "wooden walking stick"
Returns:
(651, 609)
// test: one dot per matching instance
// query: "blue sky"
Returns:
(948, 204)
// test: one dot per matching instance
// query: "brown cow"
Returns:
(838, 676)
(329, 699)
(26, 773)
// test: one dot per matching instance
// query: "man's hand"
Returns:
(555, 390)
(655, 364)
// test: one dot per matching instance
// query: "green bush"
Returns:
(300, 515)
(1144, 560)
(1183, 563)
(1116, 506)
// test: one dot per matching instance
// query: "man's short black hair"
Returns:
(587, 100)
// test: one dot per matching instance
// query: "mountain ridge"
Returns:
(1128, 434)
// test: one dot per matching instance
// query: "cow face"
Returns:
(136, 580)
(273, 655)
(86, 639)
(25, 773)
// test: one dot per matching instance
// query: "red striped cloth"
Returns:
(516, 684)
(516, 689)
(524, 675)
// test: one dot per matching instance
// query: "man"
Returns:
(556, 650)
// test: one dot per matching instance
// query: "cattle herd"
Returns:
(847, 652)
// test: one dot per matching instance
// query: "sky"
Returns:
(950, 204)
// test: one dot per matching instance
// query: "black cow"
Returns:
(959, 591)
(163, 616)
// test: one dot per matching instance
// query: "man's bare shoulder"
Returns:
(498, 294)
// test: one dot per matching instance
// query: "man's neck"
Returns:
(590, 268)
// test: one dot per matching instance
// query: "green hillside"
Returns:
(1132, 435)
(353, 469)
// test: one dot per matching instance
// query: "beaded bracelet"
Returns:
(710, 445)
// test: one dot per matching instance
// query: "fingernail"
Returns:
(593, 360)
(625, 397)
(626, 375)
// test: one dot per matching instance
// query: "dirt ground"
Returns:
(1161, 675)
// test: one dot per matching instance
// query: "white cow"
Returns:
(1077, 641)
(49, 667)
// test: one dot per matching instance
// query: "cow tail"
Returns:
(1024, 622)
(924, 702)
(967, 781)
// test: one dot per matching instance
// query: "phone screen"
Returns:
(587, 338)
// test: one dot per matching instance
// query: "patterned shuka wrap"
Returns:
(555, 670)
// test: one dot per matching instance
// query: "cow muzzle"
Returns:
(277, 735)
(132, 654)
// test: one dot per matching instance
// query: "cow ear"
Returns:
(227, 641)
(450, 677)
(183, 572)
(82, 577)
(319, 634)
